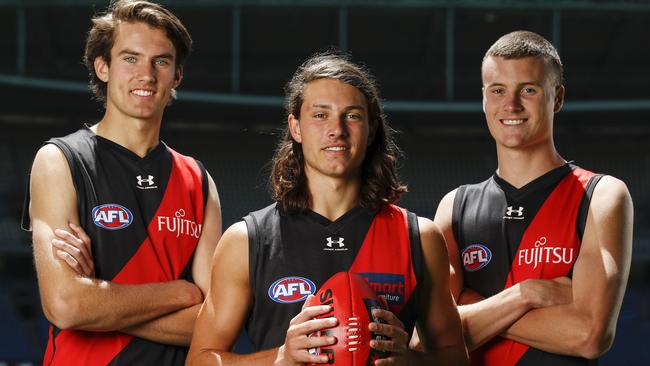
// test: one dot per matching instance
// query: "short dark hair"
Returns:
(101, 36)
(520, 44)
(380, 182)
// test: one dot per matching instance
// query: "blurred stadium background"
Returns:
(426, 55)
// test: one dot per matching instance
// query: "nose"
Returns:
(512, 103)
(147, 73)
(337, 128)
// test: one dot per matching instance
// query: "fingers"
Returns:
(77, 248)
(397, 341)
(81, 234)
(310, 312)
(298, 341)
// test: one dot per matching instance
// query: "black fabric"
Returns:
(496, 214)
(296, 245)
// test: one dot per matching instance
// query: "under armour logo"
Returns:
(335, 245)
(330, 242)
(510, 211)
(148, 180)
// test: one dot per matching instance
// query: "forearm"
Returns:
(222, 358)
(490, 317)
(559, 329)
(96, 305)
(174, 328)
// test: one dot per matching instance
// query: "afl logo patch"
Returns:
(476, 256)
(291, 289)
(112, 216)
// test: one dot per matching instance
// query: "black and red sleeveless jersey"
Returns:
(290, 256)
(506, 235)
(144, 216)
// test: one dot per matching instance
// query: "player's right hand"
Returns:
(74, 248)
(295, 350)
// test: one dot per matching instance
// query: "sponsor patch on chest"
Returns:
(388, 285)
(288, 290)
(112, 216)
(475, 257)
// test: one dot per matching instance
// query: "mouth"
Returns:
(337, 148)
(513, 122)
(142, 92)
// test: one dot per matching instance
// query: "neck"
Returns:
(333, 197)
(137, 135)
(521, 166)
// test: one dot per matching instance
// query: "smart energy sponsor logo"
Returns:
(540, 254)
(291, 289)
(112, 216)
(388, 285)
(475, 257)
(179, 225)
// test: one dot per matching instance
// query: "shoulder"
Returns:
(430, 233)
(610, 195)
(50, 162)
(235, 235)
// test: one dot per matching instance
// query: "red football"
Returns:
(352, 301)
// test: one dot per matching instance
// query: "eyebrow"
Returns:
(329, 107)
(518, 84)
(136, 53)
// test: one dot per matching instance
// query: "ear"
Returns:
(294, 128)
(559, 98)
(101, 68)
(178, 76)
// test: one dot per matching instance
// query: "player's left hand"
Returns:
(74, 248)
(397, 342)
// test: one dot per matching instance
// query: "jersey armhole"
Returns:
(416, 245)
(205, 187)
(26, 223)
(253, 247)
(583, 211)
(456, 214)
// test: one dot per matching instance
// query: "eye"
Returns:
(130, 59)
(320, 115)
(529, 91)
(161, 62)
(353, 116)
(497, 91)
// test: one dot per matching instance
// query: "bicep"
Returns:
(443, 221)
(228, 299)
(442, 319)
(53, 205)
(602, 267)
(210, 235)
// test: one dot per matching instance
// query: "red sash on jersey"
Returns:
(548, 249)
(161, 257)
(386, 253)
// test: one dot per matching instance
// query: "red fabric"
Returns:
(161, 257)
(386, 249)
(553, 226)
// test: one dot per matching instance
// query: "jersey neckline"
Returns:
(545, 180)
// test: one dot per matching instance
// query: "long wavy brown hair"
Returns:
(380, 183)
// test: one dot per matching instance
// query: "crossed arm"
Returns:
(572, 317)
(162, 312)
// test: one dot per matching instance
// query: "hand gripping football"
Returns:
(352, 301)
